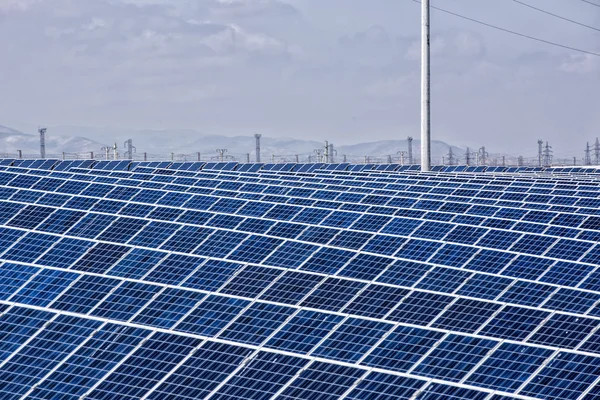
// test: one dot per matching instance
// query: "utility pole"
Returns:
(588, 158)
(106, 150)
(326, 153)
(574, 161)
(411, 161)
(520, 162)
(297, 159)
(425, 88)
(198, 153)
(257, 136)
(115, 152)
(540, 151)
(145, 156)
(345, 158)
(468, 157)
(548, 155)
(221, 153)
(42, 132)
(401, 154)
(20, 154)
(247, 158)
(504, 161)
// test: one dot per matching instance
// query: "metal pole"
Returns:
(42, 132)
(20, 154)
(257, 137)
(425, 88)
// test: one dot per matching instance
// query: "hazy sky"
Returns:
(346, 71)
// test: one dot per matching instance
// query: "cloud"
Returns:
(12, 5)
(239, 66)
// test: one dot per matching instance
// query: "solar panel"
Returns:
(225, 280)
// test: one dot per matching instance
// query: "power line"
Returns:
(556, 15)
(513, 32)
(589, 2)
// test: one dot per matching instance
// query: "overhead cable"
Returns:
(557, 16)
(513, 32)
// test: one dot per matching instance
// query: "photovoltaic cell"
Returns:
(486, 282)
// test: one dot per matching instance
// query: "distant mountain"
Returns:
(72, 139)
(12, 140)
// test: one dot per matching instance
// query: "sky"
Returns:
(337, 70)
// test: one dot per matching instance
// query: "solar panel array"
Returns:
(249, 281)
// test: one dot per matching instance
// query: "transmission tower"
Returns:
(331, 152)
(588, 158)
(221, 153)
(468, 157)
(42, 132)
(450, 156)
(597, 152)
(130, 149)
(547, 154)
(106, 150)
(483, 155)
(411, 161)
(115, 151)
(257, 136)
(540, 151)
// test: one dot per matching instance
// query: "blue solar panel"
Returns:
(226, 280)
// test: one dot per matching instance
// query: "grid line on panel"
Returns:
(64, 360)
(450, 267)
(540, 369)
(362, 317)
(170, 373)
(350, 278)
(365, 285)
(29, 340)
(117, 365)
(355, 384)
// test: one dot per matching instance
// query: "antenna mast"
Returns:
(42, 132)
(425, 88)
